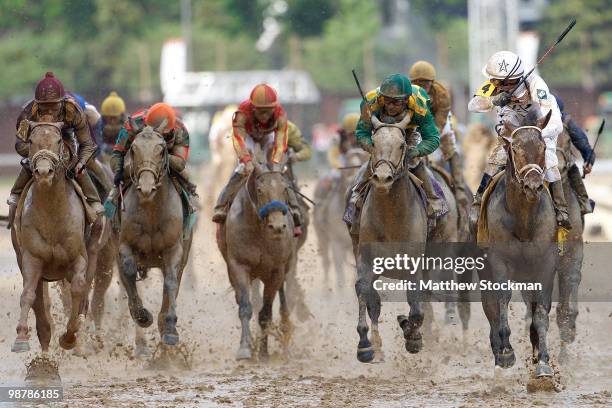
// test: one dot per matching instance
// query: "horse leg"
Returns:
(506, 353)
(567, 308)
(338, 249)
(373, 305)
(464, 303)
(240, 279)
(265, 315)
(286, 325)
(31, 274)
(365, 352)
(102, 281)
(43, 327)
(295, 293)
(490, 307)
(127, 273)
(411, 325)
(172, 269)
(540, 322)
(47, 299)
(78, 289)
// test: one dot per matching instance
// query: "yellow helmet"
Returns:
(349, 122)
(113, 105)
(422, 70)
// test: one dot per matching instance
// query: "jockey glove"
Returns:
(412, 153)
(501, 100)
(118, 177)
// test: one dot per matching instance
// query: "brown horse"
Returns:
(392, 213)
(49, 237)
(257, 242)
(522, 245)
(152, 231)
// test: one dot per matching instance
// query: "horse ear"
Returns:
(542, 122)
(509, 127)
(376, 122)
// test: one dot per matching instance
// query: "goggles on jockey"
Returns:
(394, 101)
(505, 84)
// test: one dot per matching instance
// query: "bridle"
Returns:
(151, 166)
(523, 172)
(397, 169)
(269, 207)
(55, 159)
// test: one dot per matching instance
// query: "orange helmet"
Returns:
(157, 113)
(263, 96)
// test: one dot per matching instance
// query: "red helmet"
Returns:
(263, 96)
(49, 89)
(157, 113)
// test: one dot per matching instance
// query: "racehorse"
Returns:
(152, 234)
(257, 242)
(522, 239)
(52, 238)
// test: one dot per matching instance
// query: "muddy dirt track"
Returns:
(321, 369)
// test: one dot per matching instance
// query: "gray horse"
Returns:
(333, 243)
(522, 239)
(152, 232)
(257, 242)
(392, 213)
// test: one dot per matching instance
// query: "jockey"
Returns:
(174, 133)
(580, 140)
(113, 116)
(52, 104)
(391, 102)
(423, 74)
(504, 71)
(259, 120)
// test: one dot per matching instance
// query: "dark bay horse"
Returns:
(257, 242)
(522, 245)
(152, 231)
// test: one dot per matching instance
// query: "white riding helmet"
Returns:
(502, 65)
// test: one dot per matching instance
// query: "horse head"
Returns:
(527, 155)
(149, 161)
(267, 191)
(46, 150)
(389, 150)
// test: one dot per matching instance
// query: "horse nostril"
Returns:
(271, 226)
(284, 226)
(388, 179)
(375, 177)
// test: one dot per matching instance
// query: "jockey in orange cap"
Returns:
(175, 133)
(259, 120)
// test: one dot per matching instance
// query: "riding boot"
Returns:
(90, 192)
(586, 204)
(20, 183)
(556, 189)
(352, 212)
(94, 166)
(296, 212)
(227, 196)
(477, 201)
(435, 204)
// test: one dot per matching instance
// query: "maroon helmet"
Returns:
(49, 89)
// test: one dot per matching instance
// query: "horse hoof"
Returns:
(413, 346)
(20, 346)
(142, 352)
(543, 370)
(143, 317)
(67, 342)
(506, 358)
(365, 355)
(170, 339)
(244, 353)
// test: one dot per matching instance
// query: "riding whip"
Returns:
(599, 132)
(559, 39)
